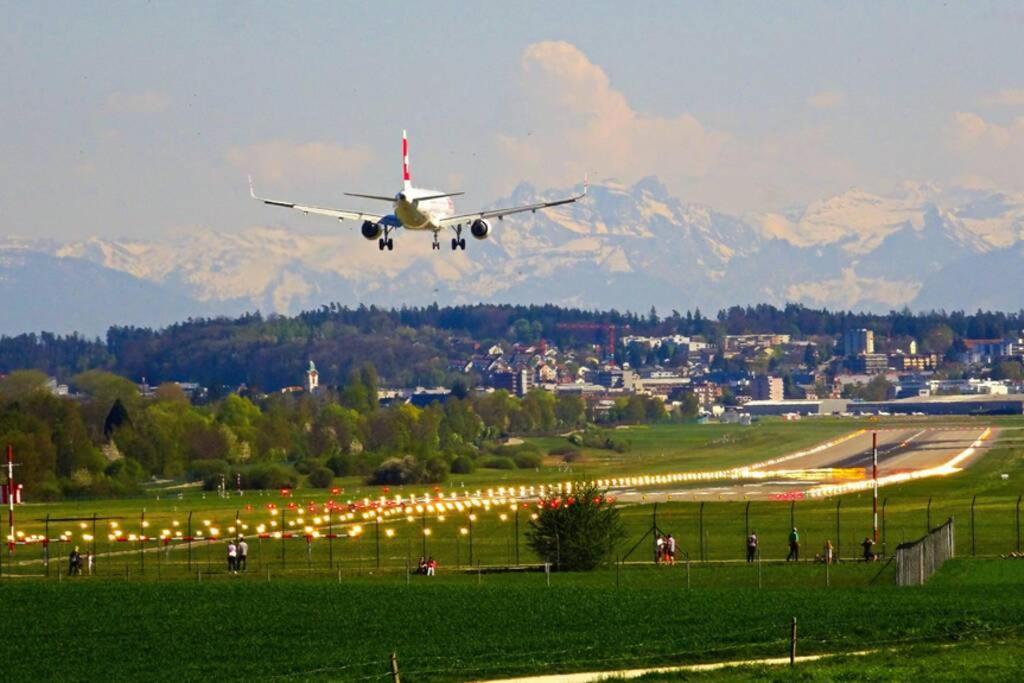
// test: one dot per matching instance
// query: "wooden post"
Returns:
(618, 565)
(394, 669)
(792, 642)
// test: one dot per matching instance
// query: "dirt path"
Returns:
(624, 674)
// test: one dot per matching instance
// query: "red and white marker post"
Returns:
(874, 477)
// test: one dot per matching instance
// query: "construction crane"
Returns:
(608, 328)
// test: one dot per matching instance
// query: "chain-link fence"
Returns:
(917, 561)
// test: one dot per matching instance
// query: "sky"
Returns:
(140, 120)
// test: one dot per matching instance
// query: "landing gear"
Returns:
(458, 242)
(386, 242)
(436, 245)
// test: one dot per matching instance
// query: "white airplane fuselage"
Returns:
(416, 214)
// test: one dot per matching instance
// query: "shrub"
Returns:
(564, 450)
(577, 532)
(405, 470)
(320, 477)
(463, 465)
(198, 470)
(527, 460)
(270, 476)
(498, 462)
(342, 465)
(435, 471)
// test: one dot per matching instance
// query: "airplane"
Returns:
(415, 208)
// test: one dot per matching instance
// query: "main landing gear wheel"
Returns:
(380, 244)
(391, 244)
(455, 244)
(462, 244)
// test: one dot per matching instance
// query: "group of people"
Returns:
(664, 549)
(238, 555)
(427, 566)
(76, 562)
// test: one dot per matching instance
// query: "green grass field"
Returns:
(494, 541)
(328, 612)
(467, 627)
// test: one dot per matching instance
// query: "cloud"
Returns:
(1007, 97)
(147, 102)
(989, 150)
(826, 99)
(281, 160)
(578, 123)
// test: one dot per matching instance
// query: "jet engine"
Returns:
(480, 229)
(371, 230)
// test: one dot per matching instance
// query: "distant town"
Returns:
(707, 373)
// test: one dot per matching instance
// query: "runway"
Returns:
(840, 466)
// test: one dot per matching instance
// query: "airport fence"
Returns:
(167, 542)
(916, 562)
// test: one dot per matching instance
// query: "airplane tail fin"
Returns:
(406, 178)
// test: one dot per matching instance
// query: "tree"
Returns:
(938, 339)
(1009, 369)
(21, 384)
(576, 532)
(116, 418)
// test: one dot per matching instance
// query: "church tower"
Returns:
(312, 379)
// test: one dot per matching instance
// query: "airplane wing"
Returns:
(340, 214)
(501, 213)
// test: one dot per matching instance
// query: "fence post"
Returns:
(792, 642)
(142, 542)
(189, 538)
(700, 539)
(973, 501)
(884, 501)
(746, 521)
(394, 669)
(839, 535)
(1017, 520)
(330, 539)
(928, 516)
(283, 562)
(46, 544)
(792, 514)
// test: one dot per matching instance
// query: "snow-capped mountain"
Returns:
(627, 247)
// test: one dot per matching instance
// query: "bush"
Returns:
(435, 471)
(463, 465)
(526, 460)
(498, 462)
(577, 532)
(199, 469)
(270, 476)
(564, 450)
(398, 471)
(320, 478)
(342, 465)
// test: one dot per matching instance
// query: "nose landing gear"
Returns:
(386, 242)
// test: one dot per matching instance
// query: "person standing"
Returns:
(828, 552)
(232, 557)
(659, 548)
(243, 554)
(794, 546)
(74, 562)
(752, 546)
(670, 549)
(869, 549)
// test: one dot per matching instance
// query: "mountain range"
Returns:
(625, 246)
